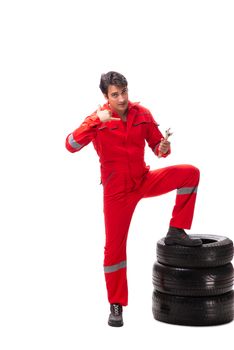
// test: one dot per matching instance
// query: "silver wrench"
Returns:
(167, 135)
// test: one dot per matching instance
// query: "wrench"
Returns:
(167, 135)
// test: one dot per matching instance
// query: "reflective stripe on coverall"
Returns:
(126, 179)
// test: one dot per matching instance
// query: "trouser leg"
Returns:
(118, 214)
(184, 179)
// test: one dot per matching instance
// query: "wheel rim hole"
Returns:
(208, 241)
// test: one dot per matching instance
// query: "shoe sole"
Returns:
(115, 324)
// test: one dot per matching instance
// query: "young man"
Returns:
(118, 131)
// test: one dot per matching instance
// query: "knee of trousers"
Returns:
(194, 173)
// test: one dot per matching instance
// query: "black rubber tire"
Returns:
(193, 281)
(215, 251)
(193, 311)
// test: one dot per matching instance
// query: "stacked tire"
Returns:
(193, 286)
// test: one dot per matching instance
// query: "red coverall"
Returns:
(126, 179)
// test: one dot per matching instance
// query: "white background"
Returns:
(178, 58)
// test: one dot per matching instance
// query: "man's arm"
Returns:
(156, 141)
(83, 135)
(87, 130)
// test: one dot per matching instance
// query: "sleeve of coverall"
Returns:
(154, 137)
(83, 134)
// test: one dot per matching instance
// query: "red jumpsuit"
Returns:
(126, 179)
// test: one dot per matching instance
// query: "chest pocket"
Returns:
(105, 127)
(109, 135)
(142, 127)
(139, 127)
(141, 118)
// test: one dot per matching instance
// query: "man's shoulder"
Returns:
(140, 109)
(143, 114)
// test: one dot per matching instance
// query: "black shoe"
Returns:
(179, 236)
(115, 318)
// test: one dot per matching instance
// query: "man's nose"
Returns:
(121, 98)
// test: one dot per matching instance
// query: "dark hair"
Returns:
(112, 78)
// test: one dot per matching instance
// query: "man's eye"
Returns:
(114, 95)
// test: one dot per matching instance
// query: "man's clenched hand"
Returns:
(105, 115)
(164, 146)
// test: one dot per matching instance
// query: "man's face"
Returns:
(118, 98)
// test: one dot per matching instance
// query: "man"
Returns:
(118, 131)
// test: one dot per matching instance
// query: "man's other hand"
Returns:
(105, 115)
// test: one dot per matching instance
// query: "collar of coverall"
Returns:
(130, 106)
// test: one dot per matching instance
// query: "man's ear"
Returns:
(106, 97)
